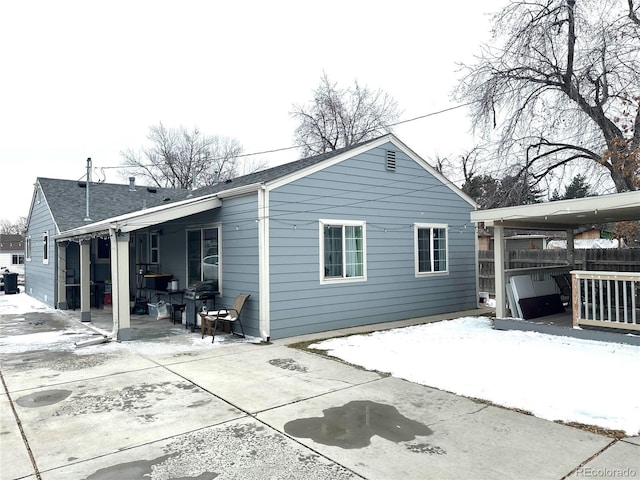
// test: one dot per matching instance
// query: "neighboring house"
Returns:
(592, 233)
(12, 253)
(365, 234)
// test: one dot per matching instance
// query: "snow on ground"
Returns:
(76, 332)
(20, 303)
(555, 378)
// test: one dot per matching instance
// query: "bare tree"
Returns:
(18, 227)
(560, 84)
(338, 117)
(179, 158)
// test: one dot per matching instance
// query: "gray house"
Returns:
(370, 233)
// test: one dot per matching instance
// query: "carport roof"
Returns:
(564, 214)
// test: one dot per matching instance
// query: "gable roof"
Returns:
(108, 201)
(275, 173)
(67, 200)
(299, 168)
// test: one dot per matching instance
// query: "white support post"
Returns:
(85, 281)
(120, 285)
(498, 265)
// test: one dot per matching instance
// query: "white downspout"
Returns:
(498, 266)
(263, 264)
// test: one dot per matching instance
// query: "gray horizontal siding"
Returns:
(40, 278)
(390, 202)
(240, 257)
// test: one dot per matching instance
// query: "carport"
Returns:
(567, 215)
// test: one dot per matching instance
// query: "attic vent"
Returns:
(151, 190)
(82, 184)
(391, 160)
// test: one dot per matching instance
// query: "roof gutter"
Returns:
(131, 221)
(234, 192)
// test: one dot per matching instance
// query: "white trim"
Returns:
(264, 293)
(424, 164)
(389, 138)
(334, 280)
(145, 218)
(564, 214)
(200, 228)
(28, 247)
(430, 226)
(45, 248)
(33, 202)
(151, 248)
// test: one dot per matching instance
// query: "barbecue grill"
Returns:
(199, 296)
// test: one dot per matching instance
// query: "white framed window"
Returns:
(154, 248)
(17, 259)
(45, 248)
(431, 245)
(27, 249)
(203, 255)
(343, 255)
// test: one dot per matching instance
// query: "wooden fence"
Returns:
(599, 259)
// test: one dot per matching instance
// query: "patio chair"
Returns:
(232, 315)
(563, 280)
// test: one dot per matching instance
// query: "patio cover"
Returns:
(118, 229)
(560, 215)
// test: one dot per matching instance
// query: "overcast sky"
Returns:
(86, 79)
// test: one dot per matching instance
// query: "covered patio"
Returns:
(602, 300)
(118, 230)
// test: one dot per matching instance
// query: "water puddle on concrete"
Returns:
(355, 423)
(42, 399)
(288, 364)
(131, 470)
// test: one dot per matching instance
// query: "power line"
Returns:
(282, 149)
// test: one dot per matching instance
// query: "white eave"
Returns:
(130, 222)
(564, 214)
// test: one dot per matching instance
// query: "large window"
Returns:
(203, 256)
(342, 252)
(17, 259)
(431, 249)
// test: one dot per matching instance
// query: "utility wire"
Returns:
(283, 149)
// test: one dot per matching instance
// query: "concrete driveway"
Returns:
(174, 406)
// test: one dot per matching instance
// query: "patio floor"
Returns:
(146, 327)
(143, 327)
(562, 324)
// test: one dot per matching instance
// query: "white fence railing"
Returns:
(606, 299)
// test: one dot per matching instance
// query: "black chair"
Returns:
(563, 280)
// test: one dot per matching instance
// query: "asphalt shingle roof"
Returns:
(67, 198)
(10, 242)
(274, 173)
